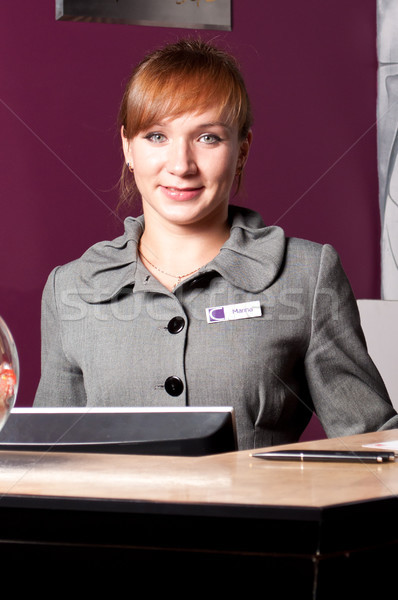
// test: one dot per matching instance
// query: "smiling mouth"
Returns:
(187, 193)
(182, 190)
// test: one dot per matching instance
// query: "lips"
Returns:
(181, 194)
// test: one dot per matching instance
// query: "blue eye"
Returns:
(156, 138)
(210, 138)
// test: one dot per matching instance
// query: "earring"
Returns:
(130, 168)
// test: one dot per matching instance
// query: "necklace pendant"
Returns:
(178, 277)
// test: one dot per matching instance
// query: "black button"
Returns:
(173, 386)
(176, 325)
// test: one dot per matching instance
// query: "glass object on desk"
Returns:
(9, 372)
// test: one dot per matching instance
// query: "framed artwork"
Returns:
(387, 141)
(192, 14)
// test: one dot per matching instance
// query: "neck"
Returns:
(180, 250)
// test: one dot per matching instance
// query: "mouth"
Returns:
(177, 193)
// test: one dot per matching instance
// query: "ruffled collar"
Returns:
(252, 256)
(250, 259)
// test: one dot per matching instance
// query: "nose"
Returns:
(181, 159)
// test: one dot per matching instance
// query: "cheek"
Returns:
(145, 165)
(224, 172)
(217, 166)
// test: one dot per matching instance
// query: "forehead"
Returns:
(210, 118)
(172, 107)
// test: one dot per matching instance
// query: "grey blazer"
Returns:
(112, 335)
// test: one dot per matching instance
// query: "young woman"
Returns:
(198, 302)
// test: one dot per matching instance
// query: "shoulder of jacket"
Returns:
(307, 249)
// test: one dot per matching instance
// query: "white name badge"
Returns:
(231, 312)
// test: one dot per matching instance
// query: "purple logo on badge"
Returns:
(216, 314)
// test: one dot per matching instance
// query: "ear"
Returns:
(126, 148)
(244, 149)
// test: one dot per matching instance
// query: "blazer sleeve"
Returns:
(348, 393)
(61, 382)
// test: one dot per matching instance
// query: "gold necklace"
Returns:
(178, 277)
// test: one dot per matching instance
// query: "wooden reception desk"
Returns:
(306, 526)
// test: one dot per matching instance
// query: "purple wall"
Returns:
(311, 70)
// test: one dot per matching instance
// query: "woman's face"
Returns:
(184, 167)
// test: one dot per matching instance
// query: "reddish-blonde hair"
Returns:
(186, 76)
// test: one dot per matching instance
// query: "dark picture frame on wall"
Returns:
(191, 14)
